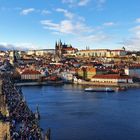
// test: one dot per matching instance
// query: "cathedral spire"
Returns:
(56, 44)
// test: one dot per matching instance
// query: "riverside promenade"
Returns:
(102, 84)
(17, 121)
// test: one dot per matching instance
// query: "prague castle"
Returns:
(64, 49)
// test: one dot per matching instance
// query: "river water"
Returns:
(73, 114)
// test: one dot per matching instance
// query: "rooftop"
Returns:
(31, 72)
(111, 76)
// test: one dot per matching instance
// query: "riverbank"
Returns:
(47, 83)
(126, 85)
(85, 83)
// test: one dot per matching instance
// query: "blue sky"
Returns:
(95, 23)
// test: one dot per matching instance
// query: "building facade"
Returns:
(112, 78)
(40, 52)
(64, 49)
(89, 72)
(28, 74)
(101, 53)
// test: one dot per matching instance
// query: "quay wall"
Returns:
(30, 84)
(127, 85)
(89, 83)
(38, 83)
(96, 84)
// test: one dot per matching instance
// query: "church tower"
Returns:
(12, 57)
(58, 49)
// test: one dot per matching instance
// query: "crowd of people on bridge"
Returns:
(23, 122)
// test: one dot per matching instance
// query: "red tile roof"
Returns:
(31, 72)
(111, 76)
(69, 49)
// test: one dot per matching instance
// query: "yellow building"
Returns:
(93, 53)
(88, 72)
(101, 53)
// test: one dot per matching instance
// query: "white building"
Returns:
(44, 52)
(67, 76)
(77, 81)
(93, 53)
(101, 53)
(31, 52)
(112, 78)
(115, 53)
(30, 75)
(41, 52)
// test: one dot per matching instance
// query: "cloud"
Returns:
(66, 13)
(45, 12)
(96, 4)
(27, 11)
(138, 20)
(77, 30)
(95, 38)
(133, 42)
(136, 31)
(66, 26)
(17, 46)
(109, 24)
(100, 4)
(26, 45)
(70, 15)
(30, 10)
(71, 24)
(48, 24)
(83, 2)
(76, 2)
(75, 27)
(5, 46)
(69, 1)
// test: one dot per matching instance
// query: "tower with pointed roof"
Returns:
(58, 48)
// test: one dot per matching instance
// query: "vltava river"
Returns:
(73, 114)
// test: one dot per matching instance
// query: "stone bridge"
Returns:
(4, 126)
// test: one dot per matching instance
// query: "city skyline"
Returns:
(94, 23)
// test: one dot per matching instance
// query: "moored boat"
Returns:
(106, 89)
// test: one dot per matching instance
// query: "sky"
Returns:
(97, 24)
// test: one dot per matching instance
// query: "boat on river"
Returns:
(99, 89)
